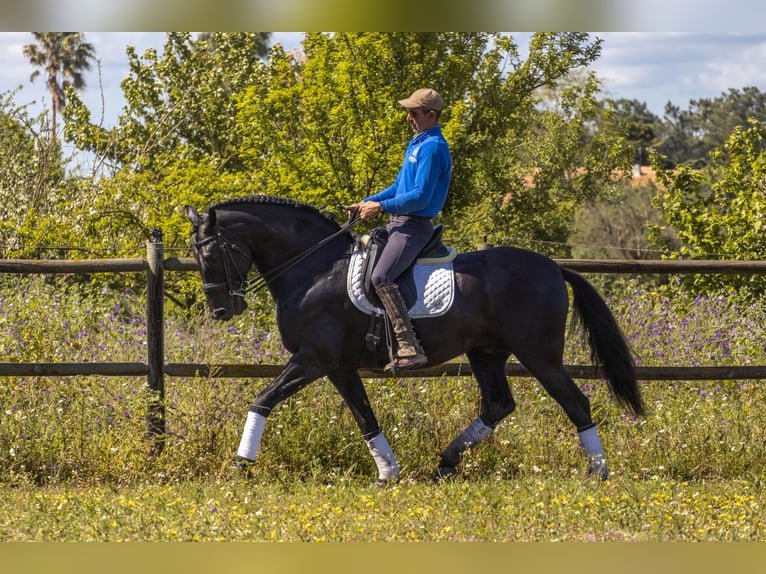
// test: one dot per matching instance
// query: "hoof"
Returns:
(383, 482)
(243, 467)
(599, 470)
(444, 473)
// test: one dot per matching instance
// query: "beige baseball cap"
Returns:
(424, 97)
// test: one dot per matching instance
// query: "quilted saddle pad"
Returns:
(435, 285)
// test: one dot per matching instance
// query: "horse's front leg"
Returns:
(300, 370)
(496, 404)
(351, 388)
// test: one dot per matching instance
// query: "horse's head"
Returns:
(223, 265)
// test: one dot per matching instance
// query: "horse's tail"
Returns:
(609, 349)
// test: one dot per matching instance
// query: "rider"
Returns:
(416, 196)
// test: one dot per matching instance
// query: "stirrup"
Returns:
(405, 363)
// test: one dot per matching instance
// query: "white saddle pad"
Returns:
(435, 284)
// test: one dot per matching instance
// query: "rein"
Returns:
(238, 284)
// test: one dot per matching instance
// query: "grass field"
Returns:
(488, 509)
(74, 464)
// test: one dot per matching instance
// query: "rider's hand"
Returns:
(369, 209)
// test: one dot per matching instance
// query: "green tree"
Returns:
(327, 129)
(209, 118)
(32, 184)
(62, 56)
(720, 211)
(690, 136)
(641, 126)
(568, 154)
(181, 100)
(176, 141)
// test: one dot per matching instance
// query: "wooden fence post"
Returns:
(155, 340)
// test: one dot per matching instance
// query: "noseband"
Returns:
(237, 284)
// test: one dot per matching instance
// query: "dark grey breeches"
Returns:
(407, 235)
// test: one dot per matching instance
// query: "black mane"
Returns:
(271, 200)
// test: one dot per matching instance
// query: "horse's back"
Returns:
(500, 266)
(511, 285)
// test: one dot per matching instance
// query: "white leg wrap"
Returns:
(592, 444)
(251, 436)
(381, 452)
(476, 432)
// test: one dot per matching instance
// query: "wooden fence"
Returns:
(155, 369)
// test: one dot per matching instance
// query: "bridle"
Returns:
(236, 282)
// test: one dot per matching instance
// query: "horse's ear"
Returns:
(211, 217)
(192, 214)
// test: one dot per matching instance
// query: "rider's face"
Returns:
(421, 119)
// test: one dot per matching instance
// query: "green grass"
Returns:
(490, 509)
(74, 461)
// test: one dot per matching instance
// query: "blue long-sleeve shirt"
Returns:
(421, 186)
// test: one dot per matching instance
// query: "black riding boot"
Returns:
(409, 355)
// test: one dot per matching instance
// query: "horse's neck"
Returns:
(275, 241)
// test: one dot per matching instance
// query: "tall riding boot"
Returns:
(409, 355)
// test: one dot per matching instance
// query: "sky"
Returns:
(651, 67)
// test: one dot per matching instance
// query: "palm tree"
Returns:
(62, 55)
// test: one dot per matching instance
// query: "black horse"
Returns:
(507, 301)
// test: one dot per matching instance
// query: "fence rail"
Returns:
(241, 371)
(35, 266)
(155, 368)
(638, 266)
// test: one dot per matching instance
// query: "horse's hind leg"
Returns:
(576, 405)
(350, 387)
(496, 404)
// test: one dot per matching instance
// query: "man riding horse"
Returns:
(507, 301)
(413, 200)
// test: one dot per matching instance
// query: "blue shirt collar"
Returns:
(432, 131)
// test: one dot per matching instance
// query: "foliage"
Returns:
(209, 119)
(327, 129)
(566, 162)
(690, 135)
(720, 211)
(179, 103)
(218, 115)
(175, 142)
(33, 187)
(642, 128)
